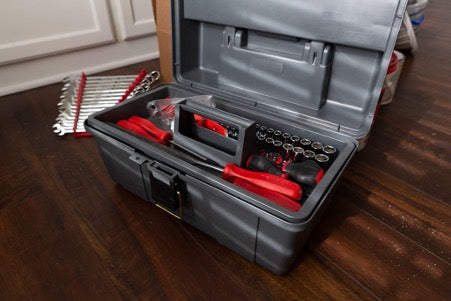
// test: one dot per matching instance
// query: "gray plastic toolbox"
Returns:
(310, 68)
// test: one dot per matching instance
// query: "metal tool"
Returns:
(288, 151)
(295, 140)
(82, 96)
(269, 144)
(322, 160)
(277, 149)
(305, 143)
(262, 130)
(317, 146)
(270, 132)
(309, 154)
(277, 135)
(230, 172)
(331, 151)
(297, 154)
(286, 138)
(305, 173)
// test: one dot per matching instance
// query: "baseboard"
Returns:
(30, 74)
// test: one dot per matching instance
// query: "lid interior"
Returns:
(322, 62)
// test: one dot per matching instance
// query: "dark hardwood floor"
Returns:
(68, 232)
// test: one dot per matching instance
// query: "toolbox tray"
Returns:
(294, 72)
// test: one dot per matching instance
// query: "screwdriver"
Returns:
(229, 172)
(273, 196)
(263, 180)
(306, 173)
(270, 186)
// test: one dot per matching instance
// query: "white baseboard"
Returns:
(30, 74)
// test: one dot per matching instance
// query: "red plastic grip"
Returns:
(133, 85)
(263, 180)
(135, 129)
(210, 124)
(81, 90)
(152, 129)
(272, 196)
(215, 127)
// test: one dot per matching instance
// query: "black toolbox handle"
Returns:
(215, 147)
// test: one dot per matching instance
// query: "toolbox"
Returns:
(313, 69)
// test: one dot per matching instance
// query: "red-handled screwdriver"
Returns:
(306, 173)
(230, 172)
(263, 180)
(258, 163)
(267, 181)
(273, 196)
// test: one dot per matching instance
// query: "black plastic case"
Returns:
(314, 69)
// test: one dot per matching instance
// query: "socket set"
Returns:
(84, 95)
(282, 147)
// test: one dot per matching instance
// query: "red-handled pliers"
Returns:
(145, 128)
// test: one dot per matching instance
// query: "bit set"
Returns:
(282, 147)
(84, 95)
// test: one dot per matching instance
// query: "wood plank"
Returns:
(68, 232)
(390, 265)
(418, 216)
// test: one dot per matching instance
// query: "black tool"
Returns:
(286, 137)
(262, 130)
(317, 147)
(295, 140)
(277, 135)
(270, 132)
(269, 145)
(323, 160)
(297, 154)
(330, 151)
(258, 163)
(261, 142)
(308, 154)
(305, 143)
(306, 173)
(288, 151)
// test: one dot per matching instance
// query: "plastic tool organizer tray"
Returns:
(312, 69)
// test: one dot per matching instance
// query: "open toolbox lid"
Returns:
(316, 62)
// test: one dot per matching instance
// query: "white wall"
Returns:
(43, 41)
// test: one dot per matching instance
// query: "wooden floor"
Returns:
(68, 232)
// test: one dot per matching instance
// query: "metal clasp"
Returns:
(180, 209)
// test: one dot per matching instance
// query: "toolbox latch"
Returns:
(167, 189)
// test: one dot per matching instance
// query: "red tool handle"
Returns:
(210, 124)
(136, 129)
(273, 196)
(215, 127)
(133, 85)
(263, 180)
(152, 129)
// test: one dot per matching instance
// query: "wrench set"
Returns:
(84, 95)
